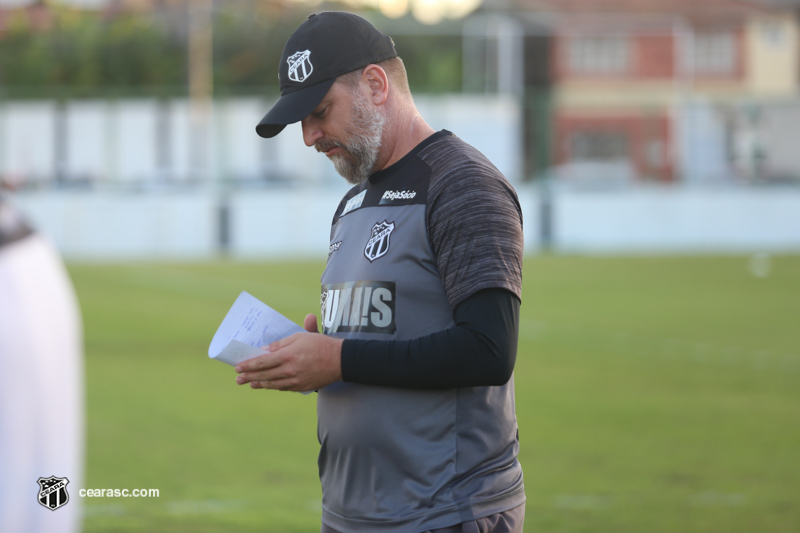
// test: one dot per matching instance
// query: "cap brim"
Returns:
(293, 107)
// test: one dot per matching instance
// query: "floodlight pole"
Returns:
(201, 92)
(201, 86)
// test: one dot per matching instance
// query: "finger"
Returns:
(310, 323)
(260, 362)
(277, 384)
(281, 343)
(261, 375)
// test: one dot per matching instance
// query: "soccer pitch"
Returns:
(654, 394)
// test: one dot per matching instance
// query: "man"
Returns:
(420, 301)
(41, 384)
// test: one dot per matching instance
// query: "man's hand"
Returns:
(302, 362)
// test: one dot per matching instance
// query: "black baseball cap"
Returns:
(322, 48)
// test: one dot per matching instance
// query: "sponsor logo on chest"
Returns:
(358, 306)
(389, 196)
(333, 247)
(354, 203)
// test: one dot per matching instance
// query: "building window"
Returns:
(603, 145)
(606, 54)
(714, 53)
(773, 34)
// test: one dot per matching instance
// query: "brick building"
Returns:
(616, 75)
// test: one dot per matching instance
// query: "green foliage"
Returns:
(433, 62)
(89, 54)
(248, 44)
(85, 54)
(653, 394)
(134, 52)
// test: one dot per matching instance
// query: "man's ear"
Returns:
(378, 82)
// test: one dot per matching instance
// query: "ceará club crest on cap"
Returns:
(300, 67)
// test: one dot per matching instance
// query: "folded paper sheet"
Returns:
(249, 324)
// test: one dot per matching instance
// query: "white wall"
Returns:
(283, 222)
(27, 131)
(678, 220)
(100, 226)
(150, 141)
(140, 206)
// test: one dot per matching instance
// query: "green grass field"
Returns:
(654, 394)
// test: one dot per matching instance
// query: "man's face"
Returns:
(348, 129)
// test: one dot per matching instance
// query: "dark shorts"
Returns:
(510, 521)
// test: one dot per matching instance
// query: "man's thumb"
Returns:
(310, 323)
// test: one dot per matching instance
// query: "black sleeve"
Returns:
(480, 350)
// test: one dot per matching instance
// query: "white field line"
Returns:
(583, 502)
(188, 507)
(589, 502)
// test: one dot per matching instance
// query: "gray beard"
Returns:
(357, 159)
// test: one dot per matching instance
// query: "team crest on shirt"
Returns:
(378, 243)
(300, 67)
(53, 492)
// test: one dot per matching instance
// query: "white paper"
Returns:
(249, 324)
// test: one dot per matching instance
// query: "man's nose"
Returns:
(311, 132)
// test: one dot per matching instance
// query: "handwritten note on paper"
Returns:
(249, 324)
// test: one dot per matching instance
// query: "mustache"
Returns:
(324, 146)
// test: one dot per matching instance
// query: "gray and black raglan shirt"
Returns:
(408, 249)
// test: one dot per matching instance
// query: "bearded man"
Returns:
(420, 301)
